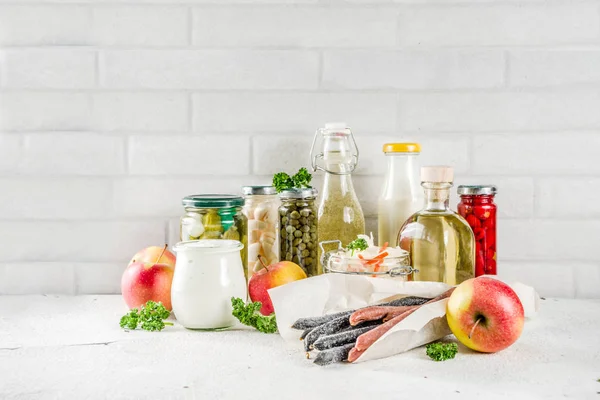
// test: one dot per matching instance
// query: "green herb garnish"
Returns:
(442, 351)
(302, 178)
(359, 244)
(150, 317)
(282, 181)
(249, 314)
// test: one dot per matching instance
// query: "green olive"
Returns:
(294, 215)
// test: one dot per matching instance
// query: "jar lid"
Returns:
(212, 201)
(474, 190)
(402, 148)
(440, 174)
(303, 193)
(258, 190)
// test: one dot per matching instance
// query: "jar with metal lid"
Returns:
(298, 228)
(338, 261)
(478, 208)
(214, 216)
(261, 208)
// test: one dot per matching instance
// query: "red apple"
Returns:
(154, 254)
(485, 314)
(148, 277)
(269, 277)
(147, 281)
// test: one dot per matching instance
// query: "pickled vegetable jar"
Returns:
(395, 264)
(215, 216)
(478, 208)
(298, 230)
(261, 208)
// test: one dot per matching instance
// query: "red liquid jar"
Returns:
(478, 208)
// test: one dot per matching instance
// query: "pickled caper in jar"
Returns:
(297, 221)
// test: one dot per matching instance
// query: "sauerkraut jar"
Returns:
(215, 216)
(261, 208)
(367, 259)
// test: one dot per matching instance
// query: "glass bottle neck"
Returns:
(401, 163)
(437, 195)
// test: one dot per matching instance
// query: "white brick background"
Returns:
(112, 110)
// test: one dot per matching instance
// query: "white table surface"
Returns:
(59, 347)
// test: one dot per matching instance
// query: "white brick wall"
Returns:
(112, 110)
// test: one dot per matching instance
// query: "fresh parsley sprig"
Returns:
(282, 181)
(149, 317)
(248, 314)
(441, 351)
(359, 244)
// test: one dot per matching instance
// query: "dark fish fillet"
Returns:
(329, 328)
(313, 322)
(342, 338)
(406, 301)
(337, 354)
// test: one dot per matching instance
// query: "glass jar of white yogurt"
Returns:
(208, 273)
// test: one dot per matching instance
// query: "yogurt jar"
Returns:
(208, 273)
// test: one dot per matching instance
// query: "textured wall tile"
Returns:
(140, 25)
(73, 154)
(210, 69)
(189, 155)
(434, 69)
(293, 112)
(54, 69)
(295, 27)
(514, 24)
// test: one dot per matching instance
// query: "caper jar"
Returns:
(215, 216)
(298, 225)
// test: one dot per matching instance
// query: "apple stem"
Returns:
(161, 254)
(474, 326)
(260, 259)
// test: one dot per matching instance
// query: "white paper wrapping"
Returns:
(331, 293)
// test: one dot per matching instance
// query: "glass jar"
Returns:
(440, 242)
(214, 216)
(337, 261)
(261, 208)
(401, 195)
(477, 207)
(208, 273)
(334, 152)
(298, 224)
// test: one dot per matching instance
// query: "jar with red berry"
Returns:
(478, 208)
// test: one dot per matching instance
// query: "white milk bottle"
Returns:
(401, 195)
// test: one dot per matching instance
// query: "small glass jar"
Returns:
(478, 208)
(298, 229)
(261, 208)
(208, 273)
(336, 261)
(215, 216)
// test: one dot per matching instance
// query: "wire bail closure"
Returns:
(320, 156)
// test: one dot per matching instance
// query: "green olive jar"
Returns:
(298, 229)
(215, 216)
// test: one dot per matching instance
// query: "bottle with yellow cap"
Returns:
(401, 195)
(440, 242)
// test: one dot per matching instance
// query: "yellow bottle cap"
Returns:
(402, 148)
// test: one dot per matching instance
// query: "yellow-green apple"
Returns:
(269, 277)
(148, 280)
(485, 314)
(154, 254)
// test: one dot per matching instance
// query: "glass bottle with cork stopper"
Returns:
(340, 216)
(440, 242)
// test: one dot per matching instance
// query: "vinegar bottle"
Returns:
(401, 195)
(440, 242)
(340, 216)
